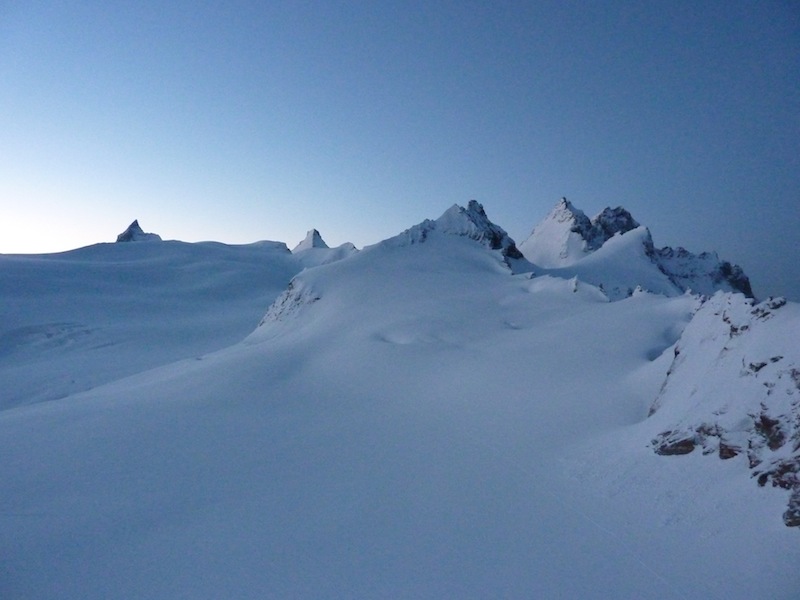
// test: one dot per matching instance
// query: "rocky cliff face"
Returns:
(733, 390)
(701, 273)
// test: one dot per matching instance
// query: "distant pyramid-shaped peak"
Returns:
(561, 238)
(134, 233)
(312, 240)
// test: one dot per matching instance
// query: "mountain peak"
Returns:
(312, 240)
(567, 236)
(560, 239)
(134, 233)
(472, 222)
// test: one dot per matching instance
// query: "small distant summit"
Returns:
(312, 240)
(134, 233)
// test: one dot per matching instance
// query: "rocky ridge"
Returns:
(733, 389)
(566, 237)
(470, 222)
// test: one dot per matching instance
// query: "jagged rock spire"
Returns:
(134, 233)
(312, 240)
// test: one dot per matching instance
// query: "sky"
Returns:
(240, 121)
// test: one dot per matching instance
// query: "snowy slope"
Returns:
(415, 421)
(560, 239)
(74, 320)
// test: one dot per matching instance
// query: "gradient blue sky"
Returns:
(239, 121)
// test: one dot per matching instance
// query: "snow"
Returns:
(414, 420)
(613, 251)
(553, 242)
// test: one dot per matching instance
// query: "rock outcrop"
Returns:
(312, 240)
(134, 233)
(733, 390)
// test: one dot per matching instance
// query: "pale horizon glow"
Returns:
(244, 122)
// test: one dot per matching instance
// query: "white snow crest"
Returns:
(470, 222)
(297, 295)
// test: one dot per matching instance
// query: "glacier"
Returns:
(435, 415)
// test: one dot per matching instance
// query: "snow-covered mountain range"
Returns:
(442, 414)
(567, 243)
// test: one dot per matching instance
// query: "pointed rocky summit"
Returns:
(134, 233)
(470, 222)
(312, 240)
(566, 235)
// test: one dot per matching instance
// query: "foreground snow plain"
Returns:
(413, 421)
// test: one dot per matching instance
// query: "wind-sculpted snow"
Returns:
(416, 420)
(72, 321)
(733, 390)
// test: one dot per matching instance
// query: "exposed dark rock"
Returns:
(312, 240)
(783, 473)
(770, 429)
(727, 451)
(609, 223)
(134, 233)
(735, 277)
(792, 515)
(670, 443)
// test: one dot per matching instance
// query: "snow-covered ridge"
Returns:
(415, 408)
(134, 233)
(470, 222)
(733, 389)
(568, 243)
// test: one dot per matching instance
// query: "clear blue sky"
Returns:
(238, 121)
